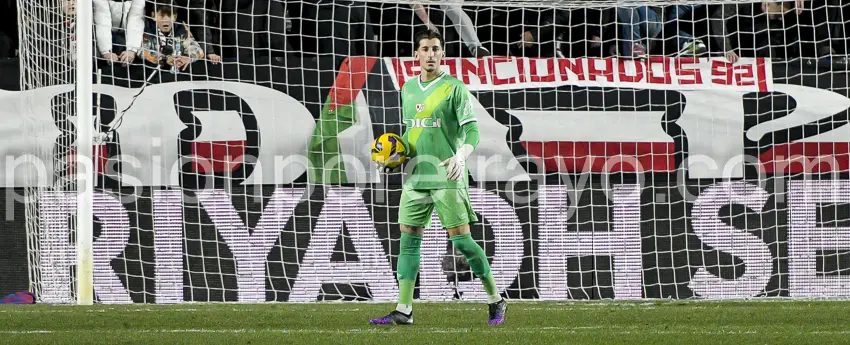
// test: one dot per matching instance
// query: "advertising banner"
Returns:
(595, 178)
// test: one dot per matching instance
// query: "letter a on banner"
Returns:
(344, 206)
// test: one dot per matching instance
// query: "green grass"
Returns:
(777, 322)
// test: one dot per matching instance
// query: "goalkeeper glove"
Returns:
(392, 164)
(383, 169)
(456, 165)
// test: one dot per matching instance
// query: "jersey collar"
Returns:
(425, 88)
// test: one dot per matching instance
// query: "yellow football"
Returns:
(389, 150)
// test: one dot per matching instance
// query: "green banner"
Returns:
(338, 114)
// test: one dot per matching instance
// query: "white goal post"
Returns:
(603, 172)
(84, 154)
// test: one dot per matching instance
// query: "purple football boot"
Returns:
(497, 313)
(394, 318)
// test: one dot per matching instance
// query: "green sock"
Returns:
(405, 292)
(408, 269)
(477, 260)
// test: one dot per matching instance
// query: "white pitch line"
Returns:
(376, 329)
(388, 330)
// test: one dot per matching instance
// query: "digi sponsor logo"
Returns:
(424, 123)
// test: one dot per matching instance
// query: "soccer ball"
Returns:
(389, 150)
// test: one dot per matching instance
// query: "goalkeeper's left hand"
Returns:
(456, 165)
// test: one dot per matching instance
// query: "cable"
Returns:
(120, 118)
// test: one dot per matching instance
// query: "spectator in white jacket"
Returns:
(113, 16)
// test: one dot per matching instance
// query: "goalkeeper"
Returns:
(441, 132)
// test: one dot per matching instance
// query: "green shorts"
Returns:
(453, 207)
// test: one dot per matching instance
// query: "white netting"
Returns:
(44, 161)
(622, 155)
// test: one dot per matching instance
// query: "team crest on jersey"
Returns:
(420, 107)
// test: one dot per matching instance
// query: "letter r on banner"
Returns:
(58, 253)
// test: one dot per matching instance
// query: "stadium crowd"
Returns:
(133, 31)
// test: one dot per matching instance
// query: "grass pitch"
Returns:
(775, 322)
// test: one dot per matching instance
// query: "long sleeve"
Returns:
(102, 18)
(465, 113)
(462, 104)
(135, 25)
(471, 135)
(719, 27)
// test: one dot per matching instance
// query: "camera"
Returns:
(166, 51)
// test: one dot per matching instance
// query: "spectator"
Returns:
(548, 39)
(776, 9)
(203, 21)
(720, 27)
(687, 44)
(69, 15)
(804, 35)
(543, 42)
(638, 23)
(644, 22)
(69, 8)
(771, 29)
(111, 16)
(462, 23)
(168, 43)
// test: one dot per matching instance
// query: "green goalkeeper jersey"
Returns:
(433, 115)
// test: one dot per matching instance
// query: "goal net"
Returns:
(630, 150)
